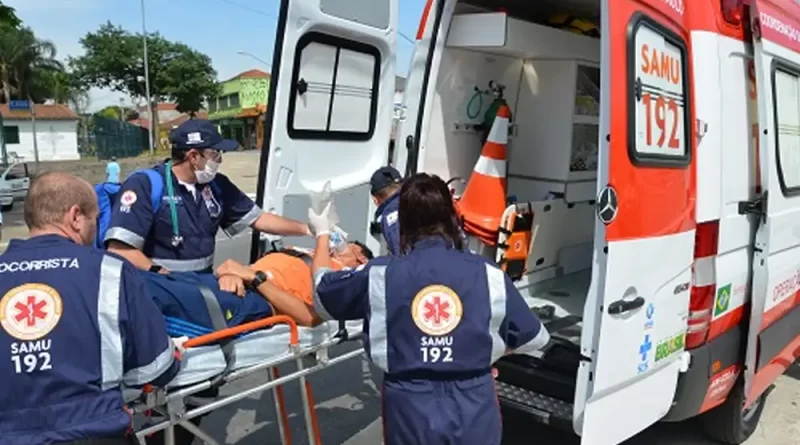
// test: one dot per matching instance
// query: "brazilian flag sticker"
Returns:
(723, 300)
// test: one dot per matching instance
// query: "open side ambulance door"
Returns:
(774, 325)
(636, 314)
(330, 113)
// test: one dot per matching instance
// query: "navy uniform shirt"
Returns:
(76, 324)
(386, 214)
(219, 204)
(435, 309)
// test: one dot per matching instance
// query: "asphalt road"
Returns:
(348, 404)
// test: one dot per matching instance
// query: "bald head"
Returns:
(54, 197)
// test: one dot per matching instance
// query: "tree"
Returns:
(29, 69)
(8, 16)
(114, 59)
(118, 113)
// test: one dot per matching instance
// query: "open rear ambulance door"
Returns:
(330, 108)
(636, 314)
(774, 325)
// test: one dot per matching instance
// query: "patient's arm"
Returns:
(322, 255)
(287, 304)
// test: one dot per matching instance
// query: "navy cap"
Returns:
(199, 134)
(382, 178)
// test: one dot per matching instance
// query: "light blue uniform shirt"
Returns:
(112, 172)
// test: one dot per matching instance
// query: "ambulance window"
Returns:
(658, 115)
(786, 84)
(334, 89)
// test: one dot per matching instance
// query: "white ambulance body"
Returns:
(664, 189)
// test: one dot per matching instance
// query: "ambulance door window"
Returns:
(658, 107)
(334, 89)
(786, 84)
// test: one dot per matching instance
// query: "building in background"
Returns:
(240, 108)
(56, 133)
(165, 111)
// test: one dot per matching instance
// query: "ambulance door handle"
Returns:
(302, 87)
(622, 306)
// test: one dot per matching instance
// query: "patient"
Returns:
(289, 288)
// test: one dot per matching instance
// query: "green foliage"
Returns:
(112, 112)
(114, 59)
(8, 16)
(29, 69)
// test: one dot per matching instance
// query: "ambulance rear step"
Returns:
(544, 386)
(544, 409)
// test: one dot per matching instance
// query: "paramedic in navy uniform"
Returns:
(385, 189)
(435, 319)
(196, 201)
(76, 323)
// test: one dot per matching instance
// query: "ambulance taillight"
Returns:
(732, 11)
(704, 283)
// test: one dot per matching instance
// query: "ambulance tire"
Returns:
(8, 208)
(728, 423)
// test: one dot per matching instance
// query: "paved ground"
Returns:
(347, 399)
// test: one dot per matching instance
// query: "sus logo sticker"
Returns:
(436, 310)
(30, 311)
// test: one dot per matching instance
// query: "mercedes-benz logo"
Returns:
(607, 205)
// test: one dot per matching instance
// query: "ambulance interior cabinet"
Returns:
(557, 119)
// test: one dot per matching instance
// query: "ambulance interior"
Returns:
(551, 81)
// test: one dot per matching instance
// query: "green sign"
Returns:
(723, 300)
(254, 92)
(670, 346)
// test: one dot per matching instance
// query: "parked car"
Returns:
(6, 196)
(16, 178)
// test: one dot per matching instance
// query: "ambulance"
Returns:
(659, 157)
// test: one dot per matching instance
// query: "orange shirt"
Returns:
(289, 274)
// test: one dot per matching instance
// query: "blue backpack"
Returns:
(107, 194)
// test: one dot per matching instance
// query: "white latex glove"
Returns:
(178, 342)
(320, 223)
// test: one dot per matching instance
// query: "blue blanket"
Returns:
(180, 296)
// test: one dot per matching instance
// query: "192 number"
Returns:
(657, 109)
(30, 362)
(435, 354)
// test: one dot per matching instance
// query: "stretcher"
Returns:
(223, 356)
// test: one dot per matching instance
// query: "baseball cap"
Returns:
(199, 134)
(382, 178)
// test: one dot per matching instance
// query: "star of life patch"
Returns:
(30, 311)
(128, 198)
(436, 310)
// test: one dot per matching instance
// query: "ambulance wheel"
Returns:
(729, 423)
(9, 207)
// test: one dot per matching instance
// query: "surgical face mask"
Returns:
(207, 174)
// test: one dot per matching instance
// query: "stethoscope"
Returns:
(177, 239)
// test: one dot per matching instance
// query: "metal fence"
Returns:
(103, 138)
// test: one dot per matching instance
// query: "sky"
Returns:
(218, 28)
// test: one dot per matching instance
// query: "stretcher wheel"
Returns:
(729, 423)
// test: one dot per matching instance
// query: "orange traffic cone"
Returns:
(484, 199)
